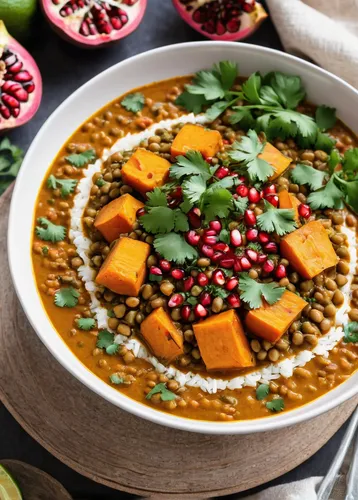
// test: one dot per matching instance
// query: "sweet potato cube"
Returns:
(271, 322)
(145, 170)
(195, 137)
(309, 250)
(275, 158)
(124, 269)
(222, 342)
(118, 217)
(289, 200)
(162, 337)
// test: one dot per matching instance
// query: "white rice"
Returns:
(208, 384)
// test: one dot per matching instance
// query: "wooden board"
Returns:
(124, 452)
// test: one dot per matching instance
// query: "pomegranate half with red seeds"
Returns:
(94, 23)
(222, 19)
(20, 83)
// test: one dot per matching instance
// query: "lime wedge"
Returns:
(9, 490)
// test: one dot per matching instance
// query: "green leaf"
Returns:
(186, 205)
(165, 394)
(112, 349)
(180, 221)
(79, 160)
(173, 247)
(217, 291)
(158, 220)
(47, 231)
(325, 117)
(192, 163)
(67, 185)
(66, 297)
(100, 182)
(224, 235)
(216, 110)
(330, 196)
(10, 162)
(334, 160)
(350, 160)
(155, 277)
(252, 292)
(133, 102)
(86, 323)
(288, 88)
(303, 174)
(246, 152)
(156, 198)
(206, 83)
(279, 220)
(276, 405)
(262, 391)
(351, 195)
(217, 203)
(193, 188)
(110, 313)
(251, 88)
(104, 339)
(228, 72)
(351, 332)
(191, 300)
(44, 250)
(324, 142)
(115, 379)
(242, 115)
(191, 102)
(240, 205)
(289, 123)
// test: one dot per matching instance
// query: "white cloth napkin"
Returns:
(323, 31)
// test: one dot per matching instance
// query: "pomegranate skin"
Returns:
(235, 29)
(71, 31)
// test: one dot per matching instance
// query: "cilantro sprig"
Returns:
(262, 391)
(66, 297)
(67, 185)
(133, 102)
(278, 220)
(86, 324)
(165, 394)
(351, 332)
(10, 162)
(252, 292)
(303, 174)
(48, 231)
(276, 405)
(79, 160)
(173, 247)
(105, 340)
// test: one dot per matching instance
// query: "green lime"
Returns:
(9, 490)
(17, 16)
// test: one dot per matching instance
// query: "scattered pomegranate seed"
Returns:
(251, 234)
(222, 172)
(177, 193)
(217, 257)
(250, 217)
(165, 265)
(245, 263)
(173, 203)
(234, 300)
(175, 300)
(263, 237)
(237, 265)
(231, 283)
(141, 212)
(178, 274)
(207, 250)
(261, 258)
(200, 311)
(252, 254)
(202, 279)
(209, 159)
(280, 271)
(304, 211)
(235, 238)
(185, 312)
(273, 199)
(192, 237)
(194, 217)
(215, 225)
(227, 262)
(218, 277)
(268, 266)
(242, 178)
(209, 232)
(242, 190)
(254, 195)
(209, 239)
(205, 299)
(222, 247)
(271, 189)
(270, 247)
(188, 283)
(155, 271)
(225, 141)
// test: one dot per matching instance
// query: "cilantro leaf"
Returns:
(192, 163)
(224, 235)
(330, 196)
(350, 160)
(279, 220)
(156, 198)
(216, 203)
(173, 247)
(191, 102)
(351, 332)
(10, 162)
(262, 391)
(217, 291)
(44, 250)
(240, 205)
(112, 349)
(325, 117)
(158, 220)
(334, 159)
(247, 151)
(180, 221)
(104, 339)
(67, 185)
(287, 122)
(251, 88)
(276, 405)
(66, 297)
(47, 231)
(115, 379)
(216, 109)
(242, 115)
(86, 323)
(252, 292)
(193, 188)
(165, 394)
(303, 174)
(208, 84)
(227, 72)
(288, 88)
(324, 142)
(79, 160)
(133, 102)
(191, 300)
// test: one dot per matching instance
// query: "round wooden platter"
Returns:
(119, 450)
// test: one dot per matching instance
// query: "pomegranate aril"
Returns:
(217, 256)
(192, 237)
(194, 218)
(222, 172)
(185, 312)
(271, 189)
(10, 101)
(15, 112)
(252, 254)
(268, 266)
(141, 212)
(175, 300)
(237, 265)
(280, 271)
(250, 218)
(155, 274)
(245, 263)
(209, 240)
(261, 258)
(234, 300)
(207, 250)
(304, 211)
(200, 311)
(273, 199)
(242, 190)
(5, 112)
(116, 23)
(251, 234)
(235, 238)
(221, 247)
(205, 299)
(215, 225)
(202, 279)
(29, 87)
(254, 195)
(270, 247)
(231, 284)
(10, 60)
(227, 262)
(178, 274)
(22, 76)
(165, 265)
(263, 237)
(15, 68)
(218, 277)
(188, 283)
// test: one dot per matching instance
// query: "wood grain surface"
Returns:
(124, 452)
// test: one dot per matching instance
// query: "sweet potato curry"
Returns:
(195, 245)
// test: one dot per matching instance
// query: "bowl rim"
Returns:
(122, 401)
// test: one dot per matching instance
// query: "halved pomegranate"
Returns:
(20, 83)
(222, 19)
(94, 23)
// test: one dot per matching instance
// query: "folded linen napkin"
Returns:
(323, 31)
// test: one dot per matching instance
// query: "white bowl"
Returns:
(166, 62)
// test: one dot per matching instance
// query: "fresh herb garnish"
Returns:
(325, 117)
(217, 291)
(47, 231)
(262, 391)
(105, 340)
(133, 102)
(10, 162)
(276, 405)
(66, 297)
(100, 182)
(303, 174)
(86, 323)
(160, 218)
(79, 160)
(351, 332)
(67, 185)
(252, 292)
(330, 196)
(173, 247)
(45, 250)
(279, 220)
(192, 163)
(165, 394)
(116, 379)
